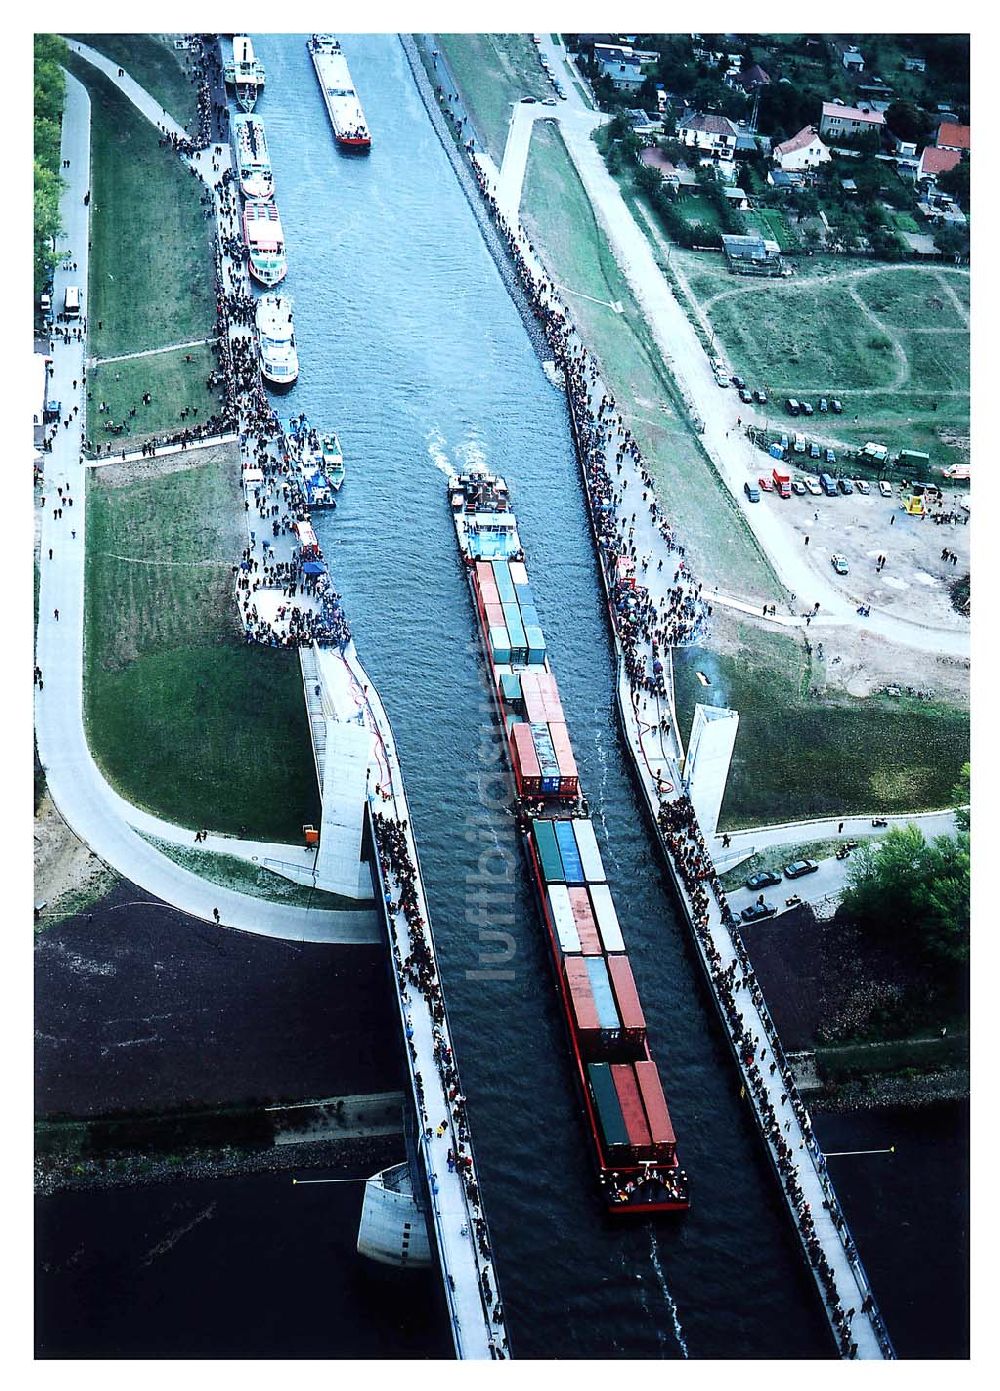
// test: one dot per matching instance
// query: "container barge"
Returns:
(633, 1136)
(244, 72)
(253, 163)
(342, 105)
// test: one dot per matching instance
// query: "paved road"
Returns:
(90, 806)
(749, 842)
(827, 882)
(802, 573)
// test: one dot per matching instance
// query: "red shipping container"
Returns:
(534, 707)
(581, 996)
(633, 1113)
(564, 751)
(488, 592)
(626, 995)
(583, 916)
(520, 736)
(494, 615)
(661, 1129)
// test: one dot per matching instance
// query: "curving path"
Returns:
(93, 810)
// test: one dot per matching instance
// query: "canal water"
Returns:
(411, 348)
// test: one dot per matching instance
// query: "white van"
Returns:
(71, 306)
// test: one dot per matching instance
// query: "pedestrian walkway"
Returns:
(730, 847)
(150, 352)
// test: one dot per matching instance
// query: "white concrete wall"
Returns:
(706, 767)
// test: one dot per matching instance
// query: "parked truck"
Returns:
(782, 480)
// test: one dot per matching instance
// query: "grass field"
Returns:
(156, 65)
(170, 381)
(559, 218)
(234, 873)
(151, 276)
(698, 212)
(891, 342)
(493, 71)
(796, 757)
(183, 716)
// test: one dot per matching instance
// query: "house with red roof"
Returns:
(803, 151)
(934, 162)
(953, 137)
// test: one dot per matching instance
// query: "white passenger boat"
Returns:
(265, 241)
(244, 72)
(279, 361)
(253, 163)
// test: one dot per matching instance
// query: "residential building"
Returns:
(754, 77)
(914, 64)
(953, 137)
(839, 120)
(934, 162)
(625, 77)
(713, 134)
(737, 198)
(642, 123)
(852, 59)
(803, 151)
(678, 176)
(752, 255)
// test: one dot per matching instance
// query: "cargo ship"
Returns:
(279, 361)
(253, 163)
(633, 1137)
(265, 242)
(310, 447)
(244, 72)
(342, 105)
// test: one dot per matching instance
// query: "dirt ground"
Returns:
(68, 876)
(914, 582)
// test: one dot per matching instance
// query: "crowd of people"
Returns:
(418, 970)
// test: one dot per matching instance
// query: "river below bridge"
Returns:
(412, 349)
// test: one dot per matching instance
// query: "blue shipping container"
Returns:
(604, 998)
(500, 645)
(536, 645)
(529, 615)
(505, 585)
(572, 864)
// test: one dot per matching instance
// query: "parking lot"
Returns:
(914, 580)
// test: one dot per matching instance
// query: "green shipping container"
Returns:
(609, 1111)
(548, 852)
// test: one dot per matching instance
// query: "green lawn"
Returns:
(891, 342)
(698, 212)
(171, 382)
(493, 71)
(560, 220)
(233, 873)
(151, 267)
(798, 758)
(153, 62)
(183, 716)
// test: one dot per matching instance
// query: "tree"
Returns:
(907, 121)
(956, 182)
(50, 88)
(914, 893)
(961, 795)
(952, 241)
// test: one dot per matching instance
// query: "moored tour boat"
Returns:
(253, 163)
(265, 241)
(333, 460)
(342, 105)
(244, 72)
(307, 445)
(279, 361)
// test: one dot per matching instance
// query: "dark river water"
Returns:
(411, 348)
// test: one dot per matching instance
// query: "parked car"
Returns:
(845, 485)
(718, 365)
(753, 494)
(737, 381)
(764, 879)
(798, 486)
(799, 867)
(746, 396)
(836, 407)
(792, 406)
(529, 101)
(831, 457)
(839, 563)
(757, 911)
(550, 101)
(813, 485)
(885, 487)
(784, 444)
(800, 444)
(863, 486)
(766, 484)
(51, 411)
(721, 379)
(561, 94)
(814, 450)
(807, 408)
(823, 403)
(760, 397)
